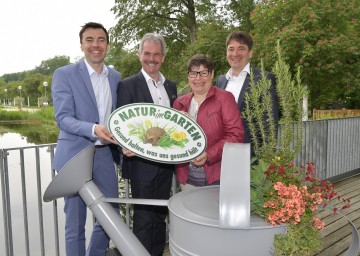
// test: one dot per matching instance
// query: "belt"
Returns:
(101, 146)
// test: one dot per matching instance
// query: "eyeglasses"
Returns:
(194, 74)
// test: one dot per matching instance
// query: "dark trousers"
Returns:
(149, 221)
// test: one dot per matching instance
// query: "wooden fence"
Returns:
(335, 113)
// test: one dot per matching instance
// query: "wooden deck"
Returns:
(336, 233)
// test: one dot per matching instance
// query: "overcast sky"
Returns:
(37, 30)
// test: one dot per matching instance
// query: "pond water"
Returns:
(25, 135)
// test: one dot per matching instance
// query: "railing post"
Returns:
(41, 220)
(6, 203)
(24, 200)
(51, 150)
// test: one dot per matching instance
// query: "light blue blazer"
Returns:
(75, 109)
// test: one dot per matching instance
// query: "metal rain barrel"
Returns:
(216, 220)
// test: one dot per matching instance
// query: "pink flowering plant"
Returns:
(293, 196)
(282, 192)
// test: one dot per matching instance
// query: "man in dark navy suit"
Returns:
(148, 179)
(237, 80)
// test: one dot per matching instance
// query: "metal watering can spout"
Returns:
(75, 177)
(67, 181)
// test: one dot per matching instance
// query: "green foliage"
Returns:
(12, 90)
(259, 185)
(302, 239)
(32, 81)
(47, 132)
(290, 94)
(210, 41)
(13, 115)
(242, 11)
(33, 88)
(2, 82)
(173, 19)
(321, 37)
(176, 20)
(126, 62)
(351, 92)
(47, 67)
(258, 113)
(45, 115)
(15, 76)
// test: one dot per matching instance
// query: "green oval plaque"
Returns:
(157, 133)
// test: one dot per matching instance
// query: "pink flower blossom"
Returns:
(296, 194)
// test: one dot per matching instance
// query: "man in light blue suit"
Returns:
(84, 95)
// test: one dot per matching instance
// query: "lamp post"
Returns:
(5, 90)
(20, 95)
(45, 85)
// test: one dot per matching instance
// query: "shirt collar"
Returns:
(245, 69)
(147, 77)
(92, 71)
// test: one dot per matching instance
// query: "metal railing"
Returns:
(14, 167)
(333, 145)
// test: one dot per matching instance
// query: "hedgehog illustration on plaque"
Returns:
(151, 133)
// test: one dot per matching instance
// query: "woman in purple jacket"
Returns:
(216, 111)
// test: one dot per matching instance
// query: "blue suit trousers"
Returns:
(106, 178)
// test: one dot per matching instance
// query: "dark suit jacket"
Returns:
(135, 90)
(222, 82)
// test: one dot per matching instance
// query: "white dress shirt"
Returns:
(235, 83)
(101, 87)
(157, 89)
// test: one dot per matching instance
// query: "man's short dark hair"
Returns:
(93, 25)
(240, 36)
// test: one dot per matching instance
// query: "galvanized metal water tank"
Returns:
(195, 229)
(216, 220)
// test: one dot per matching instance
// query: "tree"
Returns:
(174, 19)
(126, 62)
(211, 41)
(2, 82)
(241, 10)
(18, 76)
(47, 67)
(319, 36)
(13, 89)
(33, 87)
